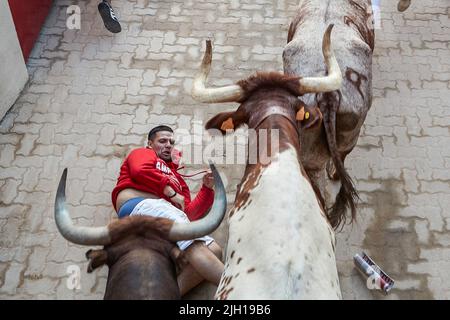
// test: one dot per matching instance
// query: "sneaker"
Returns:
(109, 17)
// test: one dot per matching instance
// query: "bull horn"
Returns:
(331, 82)
(206, 225)
(76, 234)
(200, 93)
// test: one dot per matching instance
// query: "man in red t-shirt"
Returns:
(149, 184)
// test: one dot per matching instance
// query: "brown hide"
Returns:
(141, 268)
(139, 260)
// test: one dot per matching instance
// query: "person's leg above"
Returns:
(109, 17)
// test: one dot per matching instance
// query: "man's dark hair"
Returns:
(152, 132)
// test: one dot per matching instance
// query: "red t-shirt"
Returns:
(143, 170)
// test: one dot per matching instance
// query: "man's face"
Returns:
(162, 143)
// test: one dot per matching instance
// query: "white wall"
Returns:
(13, 73)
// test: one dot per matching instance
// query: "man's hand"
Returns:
(177, 200)
(208, 179)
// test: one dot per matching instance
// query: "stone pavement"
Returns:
(93, 96)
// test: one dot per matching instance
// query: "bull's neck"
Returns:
(266, 122)
(287, 133)
(287, 139)
(273, 135)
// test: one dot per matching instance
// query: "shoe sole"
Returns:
(110, 24)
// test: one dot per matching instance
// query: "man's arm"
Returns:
(201, 204)
(204, 199)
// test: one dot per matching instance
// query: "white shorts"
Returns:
(164, 209)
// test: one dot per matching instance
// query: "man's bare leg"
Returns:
(189, 278)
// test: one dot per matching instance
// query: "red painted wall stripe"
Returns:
(28, 16)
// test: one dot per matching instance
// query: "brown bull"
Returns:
(280, 244)
(344, 111)
(137, 249)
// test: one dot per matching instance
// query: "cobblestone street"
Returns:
(93, 96)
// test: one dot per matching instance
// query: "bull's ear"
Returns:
(225, 121)
(309, 117)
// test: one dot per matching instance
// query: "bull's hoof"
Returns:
(332, 172)
(403, 5)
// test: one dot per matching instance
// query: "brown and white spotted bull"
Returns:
(137, 249)
(280, 244)
(344, 111)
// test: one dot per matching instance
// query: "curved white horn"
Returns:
(200, 93)
(76, 234)
(206, 225)
(331, 82)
